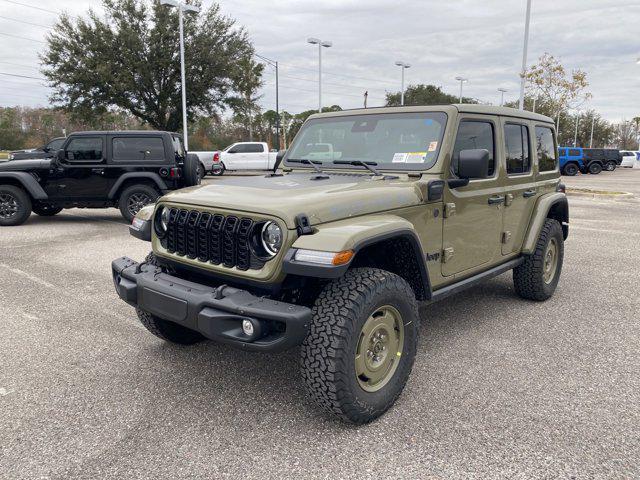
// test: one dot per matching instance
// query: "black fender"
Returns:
(28, 182)
(137, 175)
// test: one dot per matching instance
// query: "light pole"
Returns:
(182, 7)
(575, 136)
(593, 124)
(320, 43)
(502, 92)
(524, 54)
(274, 64)
(403, 66)
(461, 80)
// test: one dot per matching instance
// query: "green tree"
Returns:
(424, 95)
(11, 135)
(129, 59)
(247, 77)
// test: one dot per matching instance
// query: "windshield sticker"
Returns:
(416, 157)
(433, 146)
(399, 158)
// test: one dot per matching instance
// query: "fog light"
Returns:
(247, 327)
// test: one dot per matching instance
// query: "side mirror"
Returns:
(279, 157)
(473, 163)
(60, 155)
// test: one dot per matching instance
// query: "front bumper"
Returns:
(215, 312)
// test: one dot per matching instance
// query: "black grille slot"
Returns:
(229, 241)
(211, 238)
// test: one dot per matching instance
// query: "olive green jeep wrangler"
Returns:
(373, 212)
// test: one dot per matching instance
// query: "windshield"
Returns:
(399, 141)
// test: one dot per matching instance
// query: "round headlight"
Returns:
(271, 237)
(164, 219)
(161, 221)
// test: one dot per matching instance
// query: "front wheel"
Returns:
(134, 198)
(537, 277)
(15, 206)
(361, 345)
(610, 166)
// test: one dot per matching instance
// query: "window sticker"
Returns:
(433, 146)
(399, 158)
(416, 157)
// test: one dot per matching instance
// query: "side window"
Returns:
(574, 153)
(474, 134)
(55, 144)
(254, 148)
(546, 148)
(516, 139)
(177, 145)
(239, 148)
(137, 149)
(84, 148)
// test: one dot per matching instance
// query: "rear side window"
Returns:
(545, 145)
(473, 135)
(516, 139)
(138, 149)
(84, 149)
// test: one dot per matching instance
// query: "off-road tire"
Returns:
(168, 331)
(127, 195)
(594, 168)
(202, 171)
(46, 210)
(528, 277)
(190, 174)
(328, 352)
(23, 202)
(610, 166)
(571, 169)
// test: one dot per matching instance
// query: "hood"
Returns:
(23, 165)
(342, 195)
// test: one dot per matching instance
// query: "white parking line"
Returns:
(603, 230)
(28, 276)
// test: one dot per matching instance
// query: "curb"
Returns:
(599, 196)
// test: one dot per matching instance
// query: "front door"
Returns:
(473, 214)
(82, 175)
(257, 157)
(521, 191)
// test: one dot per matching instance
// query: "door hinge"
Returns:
(508, 199)
(447, 254)
(506, 236)
(449, 210)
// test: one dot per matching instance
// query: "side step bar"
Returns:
(471, 281)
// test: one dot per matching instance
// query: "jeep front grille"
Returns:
(212, 238)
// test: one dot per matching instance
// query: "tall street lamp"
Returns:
(182, 7)
(575, 136)
(502, 92)
(274, 64)
(461, 80)
(403, 66)
(320, 43)
(524, 55)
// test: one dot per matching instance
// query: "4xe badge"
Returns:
(432, 257)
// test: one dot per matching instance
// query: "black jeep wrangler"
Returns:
(126, 170)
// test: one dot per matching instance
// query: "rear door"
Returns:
(521, 190)
(83, 175)
(257, 156)
(473, 214)
(546, 159)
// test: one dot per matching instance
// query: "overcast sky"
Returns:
(480, 40)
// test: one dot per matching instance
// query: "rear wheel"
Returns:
(570, 169)
(134, 198)
(45, 210)
(537, 277)
(595, 168)
(219, 171)
(15, 206)
(361, 345)
(610, 166)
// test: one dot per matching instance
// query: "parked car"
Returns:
(206, 161)
(126, 170)
(607, 158)
(571, 160)
(243, 156)
(333, 255)
(46, 151)
(629, 158)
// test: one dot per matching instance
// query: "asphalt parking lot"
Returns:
(501, 388)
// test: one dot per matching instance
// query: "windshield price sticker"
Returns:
(416, 157)
(399, 158)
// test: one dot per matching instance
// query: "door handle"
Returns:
(496, 199)
(529, 193)
(97, 170)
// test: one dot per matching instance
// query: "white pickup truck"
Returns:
(238, 156)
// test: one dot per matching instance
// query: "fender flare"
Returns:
(146, 175)
(556, 201)
(28, 182)
(362, 233)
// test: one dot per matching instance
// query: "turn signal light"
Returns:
(175, 172)
(216, 157)
(324, 258)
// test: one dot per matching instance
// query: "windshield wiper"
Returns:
(367, 165)
(306, 161)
